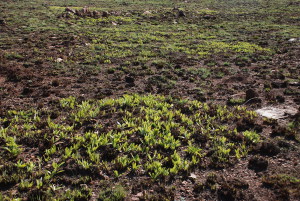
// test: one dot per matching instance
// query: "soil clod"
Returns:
(258, 164)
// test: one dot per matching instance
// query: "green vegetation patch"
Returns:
(154, 136)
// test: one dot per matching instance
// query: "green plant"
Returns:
(235, 101)
(12, 147)
(25, 185)
(115, 193)
(252, 136)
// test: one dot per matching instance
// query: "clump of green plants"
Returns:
(115, 193)
(235, 101)
(152, 135)
(13, 56)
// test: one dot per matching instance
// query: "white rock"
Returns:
(58, 60)
(140, 194)
(147, 13)
(193, 176)
(292, 39)
(277, 112)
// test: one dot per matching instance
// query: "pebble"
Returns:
(293, 40)
(58, 60)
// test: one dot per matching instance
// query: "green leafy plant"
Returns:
(252, 136)
(115, 193)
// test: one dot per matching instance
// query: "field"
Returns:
(149, 100)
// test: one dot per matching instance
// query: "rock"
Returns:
(258, 164)
(70, 10)
(296, 84)
(193, 176)
(209, 17)
(252, 97)
(84, 186)
(85, 10)
(181, 13)
(129, 79)
(293, 40)
(105, 14)
(277, 112)
(250, 94)
(114, 23)
(55, 83)
(78, 13)
(147, 13)
(95, 13)
(58, 60)
(140, 194)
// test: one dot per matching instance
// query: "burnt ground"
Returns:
(32, 77)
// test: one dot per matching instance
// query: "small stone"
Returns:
(83, 186)
(296, 84)
(181, 13)
(250, 94)
(293, 40)
(140, 194)
(209, 17)
(85, 10)
(147, 13)
(96, 13)
(58, 60)
(193, 176)
(114, 23)
(276, 112)
(55, 83)
(129, 79)
(78, 13)
(105, 14)
(70, 10)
